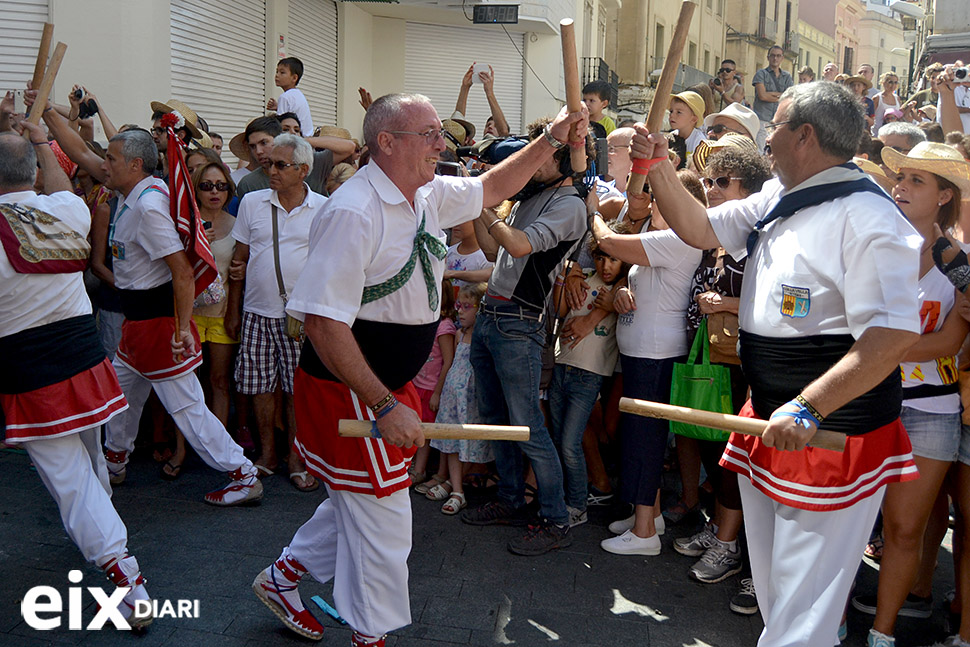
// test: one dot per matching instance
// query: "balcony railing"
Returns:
(687, 75)
(596, 69)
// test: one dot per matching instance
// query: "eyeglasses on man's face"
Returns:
(430, 136)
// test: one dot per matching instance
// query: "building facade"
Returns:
(816, 48)
(753, 27)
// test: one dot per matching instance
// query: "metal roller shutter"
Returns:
(313, 40)
(219, 61)
(20, 30)
(437, 56)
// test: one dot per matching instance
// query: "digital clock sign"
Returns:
(505, 14)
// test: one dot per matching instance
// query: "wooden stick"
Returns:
(574, 97)
(665, 85)
(42, 53)
(365, 429)
(748, 426)
(47, 84)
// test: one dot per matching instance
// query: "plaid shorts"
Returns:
(266, 355)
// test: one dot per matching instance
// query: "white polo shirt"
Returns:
(31, 300)
(142, 234)
(365, 235)
(254, 227)
(835, 268)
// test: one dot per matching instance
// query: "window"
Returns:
(692, 54)
(707, 60)
(659, 49)
(720, 7)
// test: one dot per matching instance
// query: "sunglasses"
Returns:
(465, 306)
(218, 186)
(724, 70)
(717, 129)
(722, 182)
(280, 164)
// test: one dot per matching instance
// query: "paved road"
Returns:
(466, 588)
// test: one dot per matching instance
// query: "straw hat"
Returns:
(456, 130)
(694, 100)
(174, 105)
(745, 117)
(701, 152)
(858, 79)
(467, 125)
(736, 141)
(929, 111)
(334, 131)
(875, 172)
(238, 146)
(938, 159)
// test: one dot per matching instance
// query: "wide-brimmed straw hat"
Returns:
(238, 146)
(745, 117)
(875, 172)
(938, 159)
(734, 140)
(467, 125)
(191, 119)
(456, 130)
(859, 79)
(334, 131)
(694, 101)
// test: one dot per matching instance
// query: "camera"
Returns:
(961, 73)
(717, 81)
(78, 94)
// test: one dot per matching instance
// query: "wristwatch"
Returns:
(547, 133)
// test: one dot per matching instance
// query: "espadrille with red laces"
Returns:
(277, 587)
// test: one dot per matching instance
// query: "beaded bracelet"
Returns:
(383, 402)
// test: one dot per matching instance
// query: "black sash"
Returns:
(139, 305)
(779, 368)
(395, 352)
(45, 355)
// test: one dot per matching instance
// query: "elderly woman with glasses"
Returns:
(887, 100)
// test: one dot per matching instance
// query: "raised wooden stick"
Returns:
(574, 97)
(365, 429)
(748, 426)
(661, 95)
(40, 103)
(42, 53)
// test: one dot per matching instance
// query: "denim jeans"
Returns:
(572, 395)
(506, 355)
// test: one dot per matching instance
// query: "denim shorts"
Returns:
(936, 436)
(965, 445)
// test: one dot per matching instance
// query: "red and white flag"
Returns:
(185, 211)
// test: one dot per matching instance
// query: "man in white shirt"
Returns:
(369, 297)
(272, 234)
(57, 386)
(828, 309)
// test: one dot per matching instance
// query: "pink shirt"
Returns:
(427, 379)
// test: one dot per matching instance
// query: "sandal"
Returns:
(171, 471)
(454, 503)
(309, 484)
(874, 548)
(678, 512)
(262, 471)
(422, 488)
(439, 492)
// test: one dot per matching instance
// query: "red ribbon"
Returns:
(641, 165)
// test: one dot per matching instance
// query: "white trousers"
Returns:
(803, 563)
(363, 543)
(72, 468)
(182, 397)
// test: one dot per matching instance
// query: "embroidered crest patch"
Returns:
(795, 302)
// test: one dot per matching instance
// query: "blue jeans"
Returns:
(572, 395)
(506, 355)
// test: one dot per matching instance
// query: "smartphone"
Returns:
(448, 168)
(478, 69)
(207, 225)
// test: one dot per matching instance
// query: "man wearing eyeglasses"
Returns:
(828, 309)
(725, 86)
(370, 300)
(769, 83)
(272, 233)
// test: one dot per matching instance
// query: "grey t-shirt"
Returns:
(766, 109)
(554, 221)
(316, 179)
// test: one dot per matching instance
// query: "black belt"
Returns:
(499, 308)
(929, 390)
(45, 355)
(779, 368)
(395, 352)
(139, 305)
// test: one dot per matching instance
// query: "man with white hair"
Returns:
(272, 233)
(57, 387)
(369, 298)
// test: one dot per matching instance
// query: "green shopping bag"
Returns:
(701, 386)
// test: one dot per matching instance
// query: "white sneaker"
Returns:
(630, 544)
(621, 526)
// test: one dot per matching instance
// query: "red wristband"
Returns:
(641, 165)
